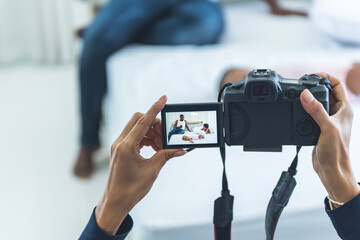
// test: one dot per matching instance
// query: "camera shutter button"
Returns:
(304, 127)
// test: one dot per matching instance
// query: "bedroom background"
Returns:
(39, 93)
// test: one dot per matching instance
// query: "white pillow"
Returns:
(338, 19)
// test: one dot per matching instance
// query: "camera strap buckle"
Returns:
(280, 197)
(223, 216)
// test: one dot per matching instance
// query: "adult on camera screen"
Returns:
(198, 127)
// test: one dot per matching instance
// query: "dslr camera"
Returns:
(263, 112)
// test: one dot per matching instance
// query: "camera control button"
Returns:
(305, 77)
(292, 93)
(304, 127)
(309, 84)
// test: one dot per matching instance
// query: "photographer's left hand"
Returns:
(131, 176)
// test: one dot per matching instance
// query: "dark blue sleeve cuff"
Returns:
(92, 230)
(346, 218)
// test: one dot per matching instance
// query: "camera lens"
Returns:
(261, 90)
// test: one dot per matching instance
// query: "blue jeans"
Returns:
(175, 131)
(122, 22)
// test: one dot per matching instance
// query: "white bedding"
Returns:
(338, 19)
(184, 192)
(176, 139)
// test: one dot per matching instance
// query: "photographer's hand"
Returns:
(131, 176)
(331, 155)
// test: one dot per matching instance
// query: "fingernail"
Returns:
(162, 98)
(162, 101)
(308, 97)
(179, 153)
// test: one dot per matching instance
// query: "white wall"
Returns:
(204, 116)
(36, 30)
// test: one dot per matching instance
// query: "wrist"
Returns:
(109, 215)
(341, 186)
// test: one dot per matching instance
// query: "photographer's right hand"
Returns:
(330, 156)
(131, 176)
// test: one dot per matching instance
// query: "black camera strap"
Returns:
(223, 207)
(280, 197)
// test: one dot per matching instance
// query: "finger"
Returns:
(151, 134)
(339, 89)
(148, 142)
(162, 156)
(128, 127)
(135, 118)
(145, 122)
(315, 109)
(157, 126)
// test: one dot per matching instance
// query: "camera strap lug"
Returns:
(280, 197)
(326, 82)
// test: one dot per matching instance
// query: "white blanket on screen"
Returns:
(176, 139)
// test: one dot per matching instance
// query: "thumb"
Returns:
(162, 156)
(314, 108)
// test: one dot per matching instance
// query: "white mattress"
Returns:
(184, 192)
(176, 139)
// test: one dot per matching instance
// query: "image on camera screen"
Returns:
(195, 125)
(184, 128)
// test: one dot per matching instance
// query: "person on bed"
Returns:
(353, 79)
(206, 128)
(191, 137)
(179, 126)
(120, 23)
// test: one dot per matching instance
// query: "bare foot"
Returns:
(287, 12)
(233, 75)
(84, 165)
(79, 32)
(353, 79)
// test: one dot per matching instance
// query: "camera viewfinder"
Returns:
(261, 90)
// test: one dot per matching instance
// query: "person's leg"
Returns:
(233, 75)
(174, 131)
(353, 79)
(115, 26)
(188, 22)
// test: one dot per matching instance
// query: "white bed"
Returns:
(180, 204)
(176, 139)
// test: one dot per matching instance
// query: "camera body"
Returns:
(263, 112)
